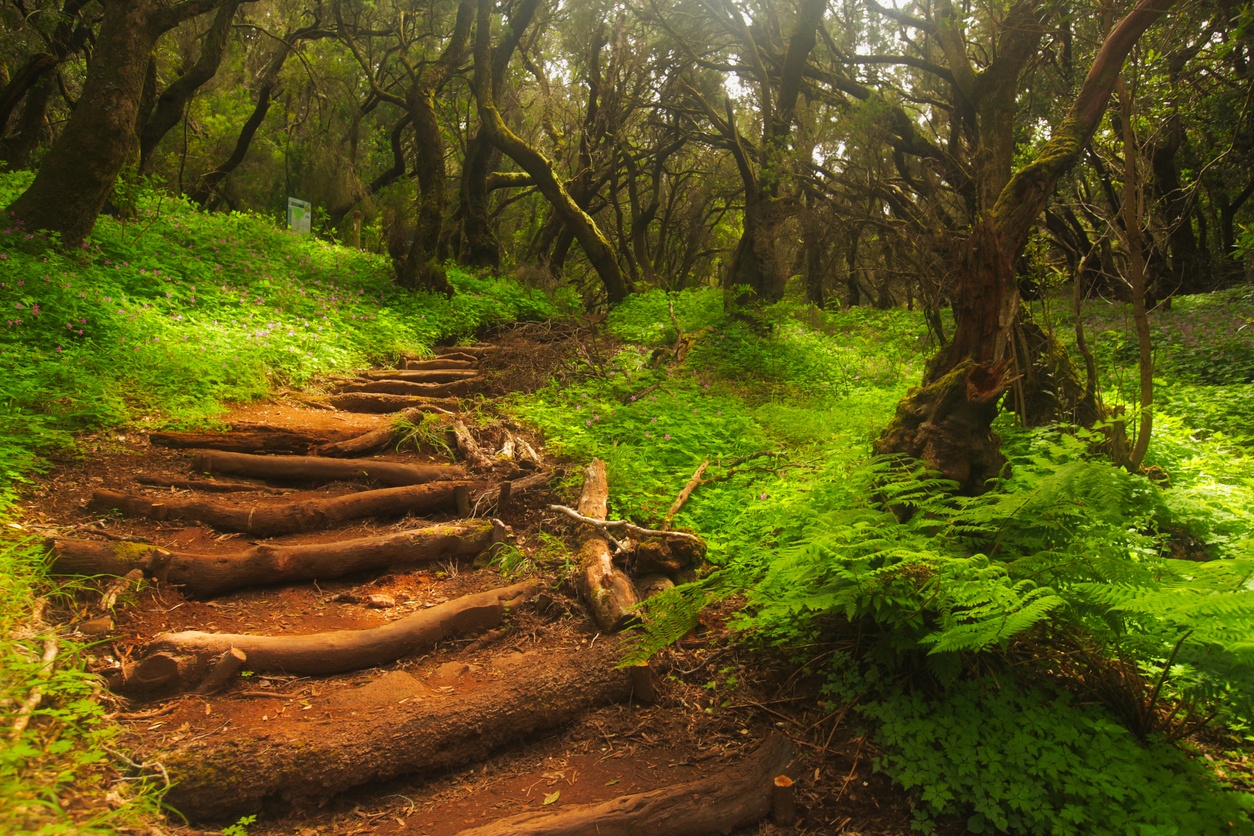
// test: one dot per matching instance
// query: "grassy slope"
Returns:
(161, 320)
(819, 386)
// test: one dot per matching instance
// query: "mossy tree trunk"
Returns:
(947, 421)
(99, 139)
(580, 224)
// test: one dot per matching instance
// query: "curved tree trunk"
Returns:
(478, 245)
(173, 100)
(595, 245)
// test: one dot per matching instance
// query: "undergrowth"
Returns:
(162, 318)
(1093, 616)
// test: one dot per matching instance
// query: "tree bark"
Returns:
(728, 800)
(271, 520)
(421, 375)
(206, 575)
(228, 774)
(180, 661)
(374, 404)
(317, 470)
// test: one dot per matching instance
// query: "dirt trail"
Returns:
(406, 696)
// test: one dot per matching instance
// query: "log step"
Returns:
(420, 375)
(447, 362)
(399, 727)
(206, 575)
(252, 441)
(317, 470)
(405, 387)
(724, 802)
(181, 661)
(271, 520)
(377, 439)
(376, 403)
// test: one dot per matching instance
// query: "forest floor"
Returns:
(500, 721)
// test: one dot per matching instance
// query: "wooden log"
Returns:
(271, 520)
(317, 470)
(227, 666)
(446, 362)
(421, 375)
(209, 485)
(231, 773)
(726, 801)
(205, 575)
(195, 654)
(476, 351)
(373, 403)
(423, 390)
(469, 448)
(251, 441)
(369, 442)
(608, 592)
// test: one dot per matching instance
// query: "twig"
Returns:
(37, 693)
(685, 493)
(630, 528)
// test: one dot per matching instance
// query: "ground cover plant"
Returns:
(1032, 659)
(160, 318)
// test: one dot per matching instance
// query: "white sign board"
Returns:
(299, 215)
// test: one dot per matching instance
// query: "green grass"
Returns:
(812, 545)
(161, 320)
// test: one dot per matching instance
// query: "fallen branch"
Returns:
(288, 517)
(204, 575)
(400, 727)
(181, 661)
(629, 527)
(469, 448)
(684, 494)
(726, 801)
(474, 352)
(317, 470)
(27, 709)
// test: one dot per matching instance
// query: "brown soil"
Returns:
(716, 700)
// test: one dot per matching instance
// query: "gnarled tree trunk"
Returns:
(947, 421)
(99, 140)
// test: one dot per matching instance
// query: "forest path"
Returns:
(373, 667)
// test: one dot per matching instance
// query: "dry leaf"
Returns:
(553, 796)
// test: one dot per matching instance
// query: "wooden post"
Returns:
(502, 500)
(784, 802)
(642, 688)
(228, 665)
